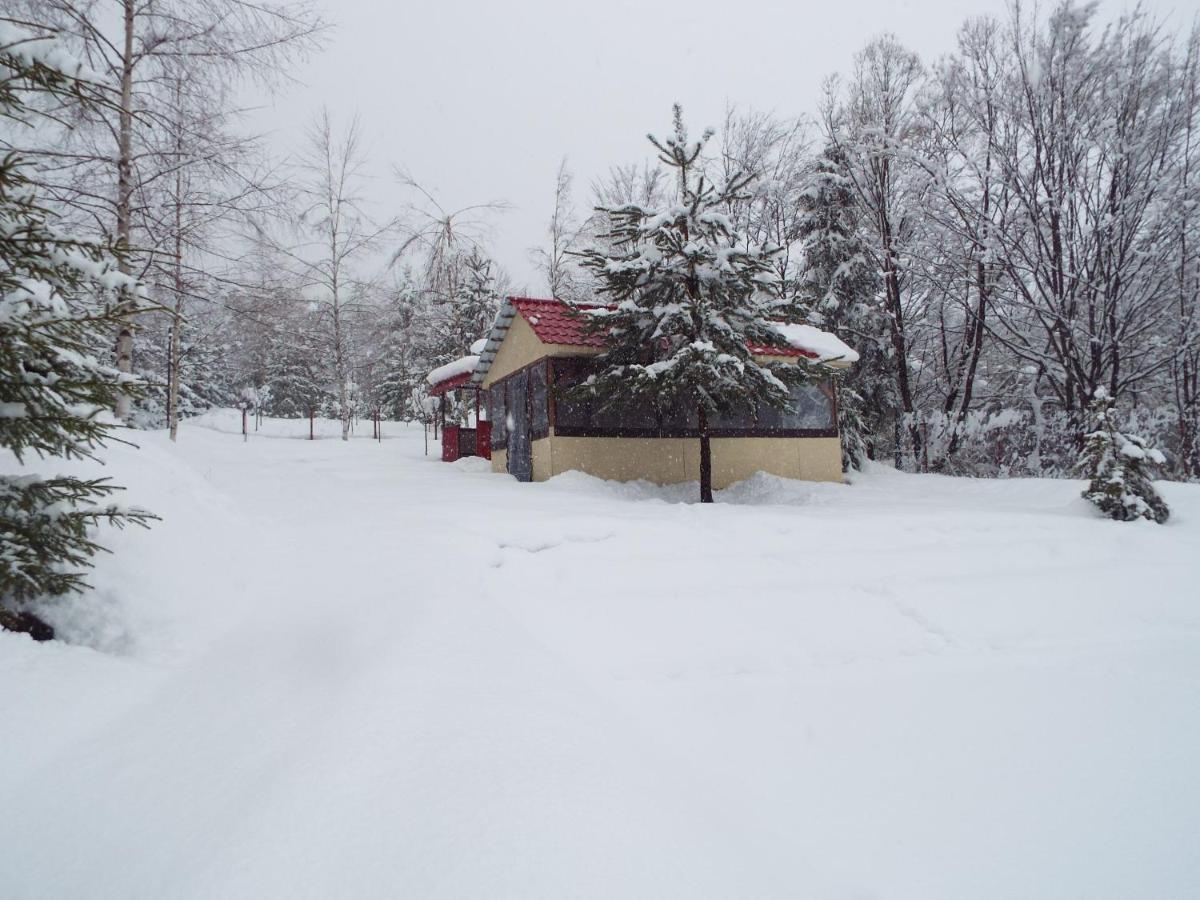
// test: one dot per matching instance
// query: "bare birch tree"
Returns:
(337, 238)
(99, 168)
(555, 260)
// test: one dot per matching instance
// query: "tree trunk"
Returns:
(173, 373)
(25, 623)
(124, 345)
(706, 492)
(174, 363)
(978, 332)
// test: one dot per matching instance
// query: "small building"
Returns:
(539, 349)
(459, 440)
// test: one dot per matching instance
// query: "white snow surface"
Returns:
(460, 366)
(828, 347)
(350, 670)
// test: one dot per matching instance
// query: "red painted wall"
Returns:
(449, 443)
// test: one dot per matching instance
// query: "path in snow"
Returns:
(351, 671)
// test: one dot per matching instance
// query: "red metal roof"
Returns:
(554, 322)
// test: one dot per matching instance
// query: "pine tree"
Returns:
(1115, 464)
(402, 363)
(839, 288)
(471, 311)
(298, 386)
(205, 379)
(836, 279)
(54, 393)
(687, 296)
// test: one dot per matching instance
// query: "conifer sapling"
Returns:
(1115, 464)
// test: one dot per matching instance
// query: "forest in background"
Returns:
(999, 232)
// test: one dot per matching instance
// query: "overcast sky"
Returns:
(480, 100)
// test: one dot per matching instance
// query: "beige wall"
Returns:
(499, 460)
(543, 465)
(672, 460)
(519, 348)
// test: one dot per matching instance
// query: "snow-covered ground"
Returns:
(348, 670)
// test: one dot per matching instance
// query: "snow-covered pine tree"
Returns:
(401, 361)
(447, 326)
(298, 384)
(54, 393)
(205, 377)
(1115, 464)
(839, 287)
(686, 297)
(470, 314)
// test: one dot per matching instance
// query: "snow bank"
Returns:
(472, 464)
(828, 347)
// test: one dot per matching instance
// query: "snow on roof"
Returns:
(813, 341)
(477, 347)
(464, 365)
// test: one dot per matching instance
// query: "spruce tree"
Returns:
(839, 286)
(298, 385)
(399, 357)
(1115, 464)
(471, 311)
(686, 297)
(205, 377)
(58, 301)
(836, 280)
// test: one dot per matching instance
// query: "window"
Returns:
(732, 420)
(497, 413)
(682, 417)
(811, 408)
(577, 410)
(639, 418)
(577, 413)
(572, 409)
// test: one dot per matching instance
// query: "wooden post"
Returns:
(311, 416)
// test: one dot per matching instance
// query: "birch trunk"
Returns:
(124, 345)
